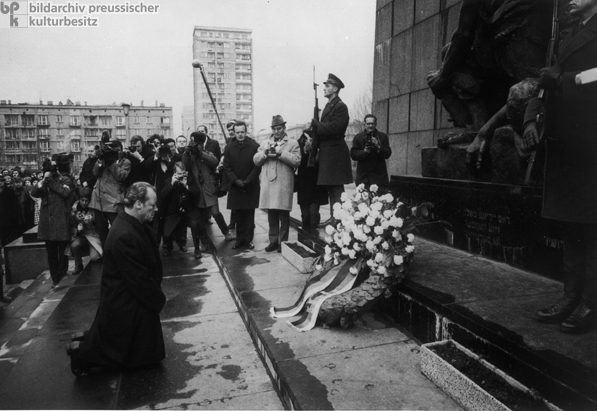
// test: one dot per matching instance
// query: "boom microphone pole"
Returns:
(197, 64)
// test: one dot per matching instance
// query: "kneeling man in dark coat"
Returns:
(126, 331)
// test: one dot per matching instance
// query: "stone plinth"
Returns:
(24, 261)
(445, 163)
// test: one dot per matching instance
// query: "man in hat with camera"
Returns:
(330, 149)
(370, 149)
(278, 156)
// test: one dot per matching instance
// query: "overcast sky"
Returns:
(130, 58)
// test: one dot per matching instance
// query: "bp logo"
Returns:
(13, 14)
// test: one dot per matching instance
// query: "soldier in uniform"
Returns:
(570, 185)
(331, 150)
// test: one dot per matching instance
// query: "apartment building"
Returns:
(226, 56)
(30, 133)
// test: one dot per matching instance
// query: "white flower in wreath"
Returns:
(330, 230)
(377, 240)
(366, 229)
(370, 221)
(378, 230)
(410, 237)
(346, 205)
(398, 260)
(382, 270)
(378, 257)
(344, 251)
(363, 208)
(357, 196)
(396, 222)
(388, 214)
(360, 188)
(318, 267)
(374, 214)
(388, 198)
(346, 237)
(385, 224)
(327, 257)
(337, 206)
(370, 245)
(353, 270)
(328, 250)
(410, 248)
(377, 206)
(371, 263)
(328, 239)
(343, 196)
(373, 188)
(385, 245)
(357, 247)
(352, 254)
(396, 234)
(365, 195)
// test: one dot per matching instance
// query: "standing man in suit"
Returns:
(370, 149)
(333, 156)
(570, 184)
(243, 197)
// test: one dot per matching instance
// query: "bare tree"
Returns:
(362, 106)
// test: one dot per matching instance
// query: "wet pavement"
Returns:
(223, 351)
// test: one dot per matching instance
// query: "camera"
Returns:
(132, 149)
(193, 149)
(369, 144)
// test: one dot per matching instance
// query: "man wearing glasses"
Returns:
(370, 149)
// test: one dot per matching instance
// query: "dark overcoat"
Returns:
(54, 212)
(238, 164)
(570, 184)
(371, 167)
(307, 190)
(334, 157)
(126, 331)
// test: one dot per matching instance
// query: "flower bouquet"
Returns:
(373, 236)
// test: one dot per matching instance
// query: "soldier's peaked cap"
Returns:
(332, 79)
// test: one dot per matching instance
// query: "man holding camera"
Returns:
(111, 171)
(138, 166)
(370, 149)
(278, 156)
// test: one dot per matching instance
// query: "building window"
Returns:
(59, 119)
(43, 120)
(119, 121)
(60, 146)
(165, 120)
(29, 134)
(77, 158)
(43, 133)
(27, 120)
(136, 120)
(148, 120)
(44, 146)
(11, 119)
(121, 134)
(12, 133)
(90, 132)
(75, 121)
(105, 121)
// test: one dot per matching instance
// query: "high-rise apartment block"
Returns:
(30, 133)
(226, 56)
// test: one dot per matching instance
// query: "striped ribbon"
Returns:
(336, 281)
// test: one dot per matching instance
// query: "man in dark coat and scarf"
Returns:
(126, 331)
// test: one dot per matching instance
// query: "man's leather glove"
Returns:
(314, 124)
(530, 136)
(240, 183)
(550, 77)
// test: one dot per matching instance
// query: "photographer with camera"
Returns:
(86, 177)
(370, 149)
(138, 164)
(111, 169)
(56, 190)
(201, 165)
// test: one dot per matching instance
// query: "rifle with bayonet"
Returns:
(543, 94)
(315, 145)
